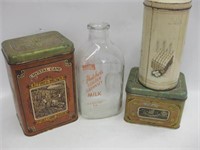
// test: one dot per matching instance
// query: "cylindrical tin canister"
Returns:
(164, 28)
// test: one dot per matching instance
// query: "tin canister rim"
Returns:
(169, 5)
(36, 47)
(134, 87)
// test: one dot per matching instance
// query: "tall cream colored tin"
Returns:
(164, 28)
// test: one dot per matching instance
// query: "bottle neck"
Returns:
(99, 36)
(98, 32)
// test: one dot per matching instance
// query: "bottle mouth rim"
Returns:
(98, 26)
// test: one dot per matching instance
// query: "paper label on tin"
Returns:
(152, 113)
(47, 93)
(49, 99)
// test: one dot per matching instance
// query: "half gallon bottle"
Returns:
(100, 74)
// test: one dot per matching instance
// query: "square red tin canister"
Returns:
(41, 73)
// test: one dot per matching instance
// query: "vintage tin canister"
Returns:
(164, 28)
(41, 74)
(159, 108)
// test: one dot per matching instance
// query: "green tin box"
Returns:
(159, 108)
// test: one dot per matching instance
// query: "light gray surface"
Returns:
(24, 18)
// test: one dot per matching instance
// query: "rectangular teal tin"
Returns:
(151, 107)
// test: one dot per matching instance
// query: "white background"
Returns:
(19, 18)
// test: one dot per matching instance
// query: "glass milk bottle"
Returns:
(100, 74)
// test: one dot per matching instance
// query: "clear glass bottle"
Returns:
(100, 74)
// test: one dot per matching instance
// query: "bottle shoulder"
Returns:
(100, 53)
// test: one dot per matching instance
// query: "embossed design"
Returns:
(49, 100)
(20, 74)
(68, 62)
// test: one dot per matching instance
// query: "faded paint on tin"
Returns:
(164, 29)
(158, 108)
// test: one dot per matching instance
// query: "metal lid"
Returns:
(36, 47)
(134, 87)
(169, 4)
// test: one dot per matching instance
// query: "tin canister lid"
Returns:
(169, 4)
(133, 86)
(36, 47)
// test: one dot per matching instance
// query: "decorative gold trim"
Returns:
(32, 129)
(134, 103)
(68, 63)
(20, 74)
(151, 115)
(46, 104)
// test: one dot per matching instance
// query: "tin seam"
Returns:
(175, 9)
(149, 45)
(22, 107)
